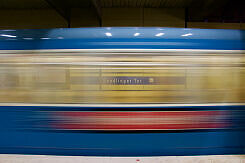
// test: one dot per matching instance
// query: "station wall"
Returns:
(31, 19)
(86, 17)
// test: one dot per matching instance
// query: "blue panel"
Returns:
(15, 138)
(122, 38)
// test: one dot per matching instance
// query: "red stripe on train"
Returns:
(136, 120)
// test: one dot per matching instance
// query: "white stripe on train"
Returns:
(118, 51)
(122, 105)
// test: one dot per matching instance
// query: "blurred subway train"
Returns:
(122, 91)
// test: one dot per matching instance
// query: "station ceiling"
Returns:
(197, 10)
(34, 4)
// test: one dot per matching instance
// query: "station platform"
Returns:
(5, 158)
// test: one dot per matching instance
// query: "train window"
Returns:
(50, 77)
(9, 78)
(123, 78)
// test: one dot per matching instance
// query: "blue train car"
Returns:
(122, 91)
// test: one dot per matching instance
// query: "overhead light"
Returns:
(136, 34)
(27, 38)
(9, 30)
(45, 38)
(160, 29)
(108, 34)
(7, 35)
(187, 34)
(159, 34)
